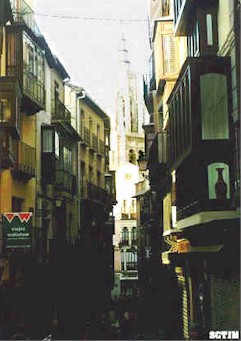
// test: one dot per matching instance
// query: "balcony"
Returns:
(101, 149)
(86, 136)
(10, 105)
(59, 112)
(124, 216)
(25, 165)
(61, 116)
(97, 193)
(133, 216)
(203, 83)
(94, 143)
(133, 242)
(157, 163)
(32, 88)
(182, 14)
(196, 10)
(128, 216)
(124, 242)
(30, 72)
(24, 15)
(65, 181)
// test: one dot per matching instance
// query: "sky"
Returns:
(85, 35)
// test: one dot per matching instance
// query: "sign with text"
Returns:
(17, 230)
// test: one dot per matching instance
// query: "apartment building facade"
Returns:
(44, 147)
(195, 152)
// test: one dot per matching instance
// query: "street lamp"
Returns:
(142, 161)
(58, 201)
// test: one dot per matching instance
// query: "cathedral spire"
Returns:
(123, 51)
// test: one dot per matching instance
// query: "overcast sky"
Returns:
(86, 41)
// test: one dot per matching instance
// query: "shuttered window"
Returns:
(169, 54)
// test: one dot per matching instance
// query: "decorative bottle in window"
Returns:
(220, 186)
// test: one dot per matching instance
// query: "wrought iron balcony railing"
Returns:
(60, 112)
(33, 87)
(97, 193)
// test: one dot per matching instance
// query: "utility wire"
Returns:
(61, 16)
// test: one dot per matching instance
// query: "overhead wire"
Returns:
(63, 16)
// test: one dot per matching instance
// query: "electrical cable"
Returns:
(63, 16)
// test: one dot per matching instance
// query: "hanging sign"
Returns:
(17, 230)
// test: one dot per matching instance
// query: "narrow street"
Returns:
(119, 169)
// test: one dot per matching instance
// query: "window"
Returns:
(33, 58)
(67, 159)
(132, 156)
(5, 110)
(13, 49)
(193, 41)
(131, 259)
(133, 233)
(214, 106)
(209, 23)
(124, 206)
(47, 141)
(125, 234)
(169, 54)
(218, 181)
(56, 146)
(165, 8)
(17, 204)
(50, 140)
(133, 206)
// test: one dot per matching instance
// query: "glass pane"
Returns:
(209, 29)
(56, 149)
(48, 140)
(214, 106)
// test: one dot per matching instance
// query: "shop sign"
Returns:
(17, 230)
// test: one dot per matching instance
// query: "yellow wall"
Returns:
(3, 56)
(10, 187)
